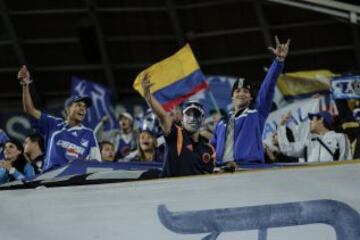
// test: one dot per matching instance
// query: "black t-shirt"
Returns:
(185, 157)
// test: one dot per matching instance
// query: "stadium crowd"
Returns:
(181, 139)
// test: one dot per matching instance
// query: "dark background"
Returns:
(110, 41)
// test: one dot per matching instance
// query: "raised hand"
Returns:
(146, 84)
(281, 50)
(24, 75)
(6, 164)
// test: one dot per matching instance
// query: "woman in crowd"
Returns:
(14, 166)
(147, 150)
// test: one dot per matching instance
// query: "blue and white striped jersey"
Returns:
(64, 143)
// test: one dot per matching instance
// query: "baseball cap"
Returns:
(126, 115)
(324, 115)
(77, 98)
(195, 105)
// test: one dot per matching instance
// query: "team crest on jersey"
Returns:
(206, 157)
(84, 142)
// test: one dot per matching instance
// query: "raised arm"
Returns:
(292, 149)
(267, 89)
(281, 50)
(158, 110)
(28, 106)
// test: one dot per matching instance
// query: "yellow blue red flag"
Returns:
(174, 79)
(304, 83)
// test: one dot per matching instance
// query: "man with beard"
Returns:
(187, 153)
(239, 138)
(67, 140)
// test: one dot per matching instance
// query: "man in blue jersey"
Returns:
(65, 140)
(239, 138)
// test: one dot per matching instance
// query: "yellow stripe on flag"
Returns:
(169, 70)
(303, 82)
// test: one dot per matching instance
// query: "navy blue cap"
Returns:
(324, 115)
(78, 98)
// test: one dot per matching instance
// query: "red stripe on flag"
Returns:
(169, 105)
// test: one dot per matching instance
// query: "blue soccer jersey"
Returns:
(65, 143)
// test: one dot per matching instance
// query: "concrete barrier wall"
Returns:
(320, 202)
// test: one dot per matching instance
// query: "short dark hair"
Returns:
(243, 83)
(102, 143)
(39, 139)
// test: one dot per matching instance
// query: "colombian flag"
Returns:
(174, 79)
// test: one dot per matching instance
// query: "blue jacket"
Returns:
(6, 176)
(249, 124)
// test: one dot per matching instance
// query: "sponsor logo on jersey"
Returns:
(71, 148)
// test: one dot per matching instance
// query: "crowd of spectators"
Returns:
(181, 139)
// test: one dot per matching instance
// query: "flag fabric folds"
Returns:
(174, 79)
(298, 85)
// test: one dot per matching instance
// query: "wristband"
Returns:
(25, 82)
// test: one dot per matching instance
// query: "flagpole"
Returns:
(214, 101)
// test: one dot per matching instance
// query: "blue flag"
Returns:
(220, 86)
(101, 99)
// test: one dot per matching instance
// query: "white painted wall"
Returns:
(129, 210)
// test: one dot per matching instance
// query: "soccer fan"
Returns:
(14, 166)
(34, 151)
(239, 138)
(187, 153)
(65, 140)
(124, 139)
(107, 151)
(147, 147)
(322, 145)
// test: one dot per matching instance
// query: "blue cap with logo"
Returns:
(77, 98)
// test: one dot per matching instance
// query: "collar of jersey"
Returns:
(77, 127)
